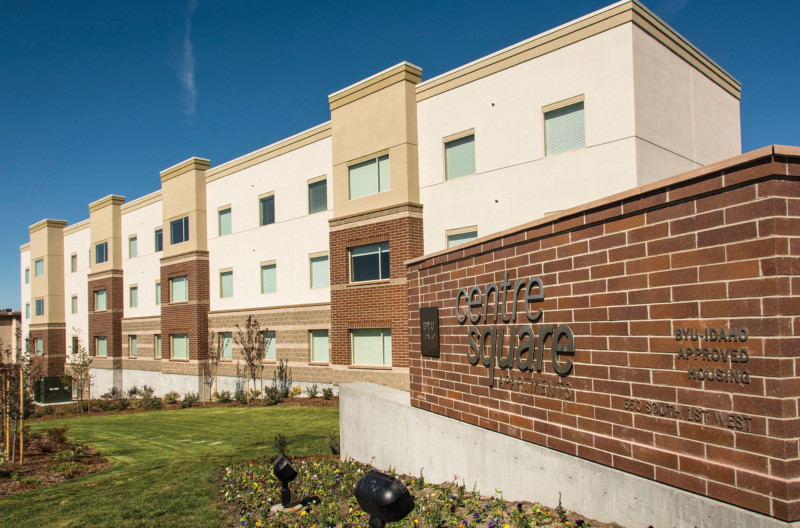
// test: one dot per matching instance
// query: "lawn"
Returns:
(164, 465)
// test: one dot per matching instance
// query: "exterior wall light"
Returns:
(384, 498)
(285, 472)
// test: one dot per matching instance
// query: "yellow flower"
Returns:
(567, 523)
(302, 513)
(506, 526)
(415, 522)
(538, 510)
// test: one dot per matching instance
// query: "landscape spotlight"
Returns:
(285, 472)
(383, 497)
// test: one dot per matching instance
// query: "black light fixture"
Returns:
(285, 472)
(383, 497)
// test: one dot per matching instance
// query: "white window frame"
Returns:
(172, 338)
(133, 247)
(74, 304)
(97, 341)
(100, 294)
(460, 232)
(551, 111)
(183, 282)
(450, 142)
(133, 296)
(382, 183)
(268, 264)
(133, 346)
(157, 344)
(380, 251)
(316, 182)
(38, 267)
(312, 334)
(383, 333)
(223, 273)
(317, 258)
(220, 212)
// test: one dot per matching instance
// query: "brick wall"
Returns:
(54, 346)
(715, 249)
(189, 317)
(107, 323)
(374, 305)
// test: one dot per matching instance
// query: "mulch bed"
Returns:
(38, 467)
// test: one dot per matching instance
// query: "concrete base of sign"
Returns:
(379, 425)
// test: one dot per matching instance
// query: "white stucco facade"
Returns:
(76, 284)
(144, 269)
(287, 243)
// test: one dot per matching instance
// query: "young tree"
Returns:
(251, 339)
(80, 364)
(212, 360)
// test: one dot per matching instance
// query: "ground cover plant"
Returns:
(164, 465)
(326, 484)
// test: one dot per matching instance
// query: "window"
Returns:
(101, 253)
(27, 310)
(368, 177)
(320, 272)
(132, 348)
(157, 345)
(133, 250)
(75, 344)
(269, 345)
(267, 207)
(372, 346)
(73, 262)
(179, 346)
(74, 304)
(38, 268)
(226, 345)
(461, 236)
(179, 230)
(459, 157)
(269, 278)
(39, 307)
(179, 289)
(564, 129)
(99, 300)
(27, 275)
(38, 344)
(225, 221)
(317, 196)
(100, 346)
(226, 284)
(159, 240)
(368, 263)
(319, 346)
(158, 293)
(133, 296)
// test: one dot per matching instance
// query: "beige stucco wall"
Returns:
(683, 119)
(383, 118)
(183, 193)
(104, 219)
(47, 243)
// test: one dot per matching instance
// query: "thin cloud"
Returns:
(186, 69)
(670, 8)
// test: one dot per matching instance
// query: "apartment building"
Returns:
(310, 234)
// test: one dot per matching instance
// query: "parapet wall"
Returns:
(653, 332)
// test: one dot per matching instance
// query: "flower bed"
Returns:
(327, 485)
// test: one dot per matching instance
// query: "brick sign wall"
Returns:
(652, 332)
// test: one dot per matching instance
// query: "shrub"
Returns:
(74, 453)
(254, 394)
(102, 405)
(45, 444)
(272, 396)
(171, 397)
(58, 434)
(222, 397)
(240, 396)
(312, 391)
(333, 443)
(136, 403)
(133, 392)
(146, 392)
(281, 444)
(327, 393)
(68, 469)
(295, 391)
(120, 405)
(113, 394)
(152, 403)
(191, 398)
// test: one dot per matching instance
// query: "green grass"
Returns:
(157, 480)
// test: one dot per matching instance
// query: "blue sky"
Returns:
(98, 97)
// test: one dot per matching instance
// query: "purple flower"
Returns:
(452, 496)
(491, 524)
(579, 522)
(475, 515)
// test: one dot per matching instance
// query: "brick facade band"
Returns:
(189, 317)
(380, 304)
